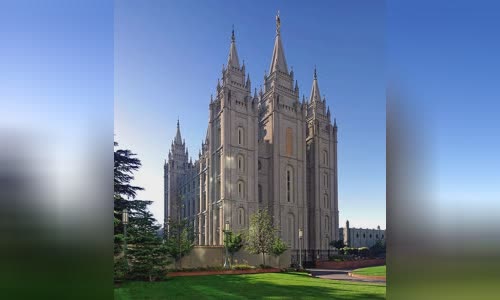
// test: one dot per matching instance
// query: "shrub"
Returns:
(363, 251)
(242, 267)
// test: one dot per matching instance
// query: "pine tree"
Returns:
(146, 258)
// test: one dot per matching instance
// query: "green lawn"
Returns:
(254, 286)
(371, 271)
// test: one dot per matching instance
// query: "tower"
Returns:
(282, 148)
(321, 171)
(174, 171)
(230, 152)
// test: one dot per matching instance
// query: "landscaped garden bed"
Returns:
(353, 264)
(222, 272)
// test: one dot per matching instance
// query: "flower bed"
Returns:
(223, 272)
(371, 277)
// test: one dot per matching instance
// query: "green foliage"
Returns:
(233, 243)
(255, 286)
(147, 254)
(339, 244)
(145, 257)
(378, 249)
(279, 247)
(363, 251)
(179, 239)
(261, 234)
(242, 267)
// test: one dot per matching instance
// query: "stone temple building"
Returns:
(361, 237)
(266, 150)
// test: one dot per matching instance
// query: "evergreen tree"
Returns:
(146, 256)
(261, 234)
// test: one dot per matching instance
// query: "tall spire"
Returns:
(233, 60)
(278, 62)
(315, 95)
(178, 139)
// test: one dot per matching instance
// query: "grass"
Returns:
(255, 286)
(371, 271)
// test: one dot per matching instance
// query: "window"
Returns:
(376, 236)
(325, 180)
(241, 216)
(289, 141)
(370, 235)
(364, 235)
(260, 192)
(241, 189)
(259, 165)
(240, 136)
(327, 222)
(357, 235)
(289, 185)
(241, 163)
(325, 157)
(382, 236)
(325, 200)
(291, 230)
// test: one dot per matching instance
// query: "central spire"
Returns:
(278, 61)
(233, 60)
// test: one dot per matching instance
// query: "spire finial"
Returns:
(232, 35)
(177, 121)
(315, 75)
(278, 23)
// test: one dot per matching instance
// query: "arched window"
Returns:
(291, 230)
(325, 157)
(260, 192)
(370, 235)
(325, 200)
(241, 189)
(357, 235)
(241, 163)
(240, 136)
(289, 141)
(325, 179)
(376, 236)
(364, 235)
(241, 216)
(289, 184)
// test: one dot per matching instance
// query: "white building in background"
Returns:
(361, 237)
(269, 150)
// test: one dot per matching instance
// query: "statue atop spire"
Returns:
(278, 61)
(233, 60)
(315, 95)
(278, 23)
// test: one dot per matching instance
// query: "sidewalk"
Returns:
(341, 275)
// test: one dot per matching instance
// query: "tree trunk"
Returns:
(263, 259)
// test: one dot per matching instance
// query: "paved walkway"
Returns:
(341, 275)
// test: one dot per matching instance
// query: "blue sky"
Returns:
(169, 54)
(444, 55)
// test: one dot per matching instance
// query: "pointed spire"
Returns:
(315, 95)
(233, 60)
(255, 93)
(296, 85)
(248, 84)
(335, 125)
(178, 139)
(278, 61)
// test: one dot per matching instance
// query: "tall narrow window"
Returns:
(325, 158)
(325, 201)
(241, 216)
(241, 163)
(241, 189)
(289, 185)
(289, 141)
(260, 193)
(240, 136)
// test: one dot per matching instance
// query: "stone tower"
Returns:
(230, 153)
(282, 152)
(174, 173)
(322, 171)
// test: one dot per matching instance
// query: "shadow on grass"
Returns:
(270, 286)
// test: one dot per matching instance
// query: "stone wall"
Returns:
(213, 256)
